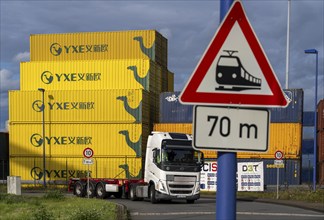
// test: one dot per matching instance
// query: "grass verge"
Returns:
(54, 205)
(289, 194)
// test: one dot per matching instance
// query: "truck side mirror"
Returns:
(201, 159)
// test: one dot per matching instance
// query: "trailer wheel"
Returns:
(79, 189)
(91, 192)
(132, 193)
(152, 194)
(101, 191)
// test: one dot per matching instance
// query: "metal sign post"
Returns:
(227, 165)
(278, 162)
(88, 153)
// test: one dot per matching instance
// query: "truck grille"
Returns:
(182, 185)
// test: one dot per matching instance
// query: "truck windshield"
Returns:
(180, 156)
(176, 156)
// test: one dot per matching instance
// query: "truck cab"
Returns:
(172, 168)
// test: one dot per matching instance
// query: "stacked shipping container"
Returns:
(320, 141)
(101, 91)
(285, 133)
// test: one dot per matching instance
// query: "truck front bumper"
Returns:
(162, 196)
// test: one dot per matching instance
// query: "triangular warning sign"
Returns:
(234, 69)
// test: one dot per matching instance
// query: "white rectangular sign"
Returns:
(87, 161)
(230, 129)
(250, 176)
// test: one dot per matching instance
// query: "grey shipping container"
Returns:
(289, 175)
(172, 111)
(4, 145)
(4, 155)
(293, 113)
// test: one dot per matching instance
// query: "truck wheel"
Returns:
(190, 201)
(152, 195)
(132, 193)
(101, 191)
(79, 189)
(91, 192)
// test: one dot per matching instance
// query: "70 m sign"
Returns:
(231, 129)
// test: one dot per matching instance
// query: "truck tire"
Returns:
(91, 193)
(79, 189)
(132, 193)
(152, 194)
(101, 191)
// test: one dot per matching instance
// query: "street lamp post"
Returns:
(314, 51)
(43, 112)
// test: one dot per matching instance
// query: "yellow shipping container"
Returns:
(91, 75)
(107, 106)
(286, 137)
(137, 44)
(170, 82)
(70, 139)
(61, 169)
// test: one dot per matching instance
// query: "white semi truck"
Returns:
(172, 171)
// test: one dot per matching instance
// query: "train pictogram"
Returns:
(231, 74)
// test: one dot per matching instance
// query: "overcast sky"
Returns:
(189, 25)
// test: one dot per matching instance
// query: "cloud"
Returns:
(20, 57)
(8, 81)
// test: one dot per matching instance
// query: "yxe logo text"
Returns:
(48, 77)
(37, 140)
(56, 49)
(39, 107)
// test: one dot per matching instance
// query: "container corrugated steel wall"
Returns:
(64, 168)
(4, 155)
(289, 175)
(70, 139)
(283, 136)
(286, 137)
(170, 81)
(320, 144)
(320, 115)
(321, 173)
(91, 75)
(293, 113)
(109, 106)
(172, 111)
(137, 44)
(4, 146)
(167, 80)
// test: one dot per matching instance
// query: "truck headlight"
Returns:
(197, 188)
(161, 187)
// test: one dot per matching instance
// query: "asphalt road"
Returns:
(205, 209)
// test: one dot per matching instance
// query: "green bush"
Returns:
(87, 214)
(54, 194)
(41, 213)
